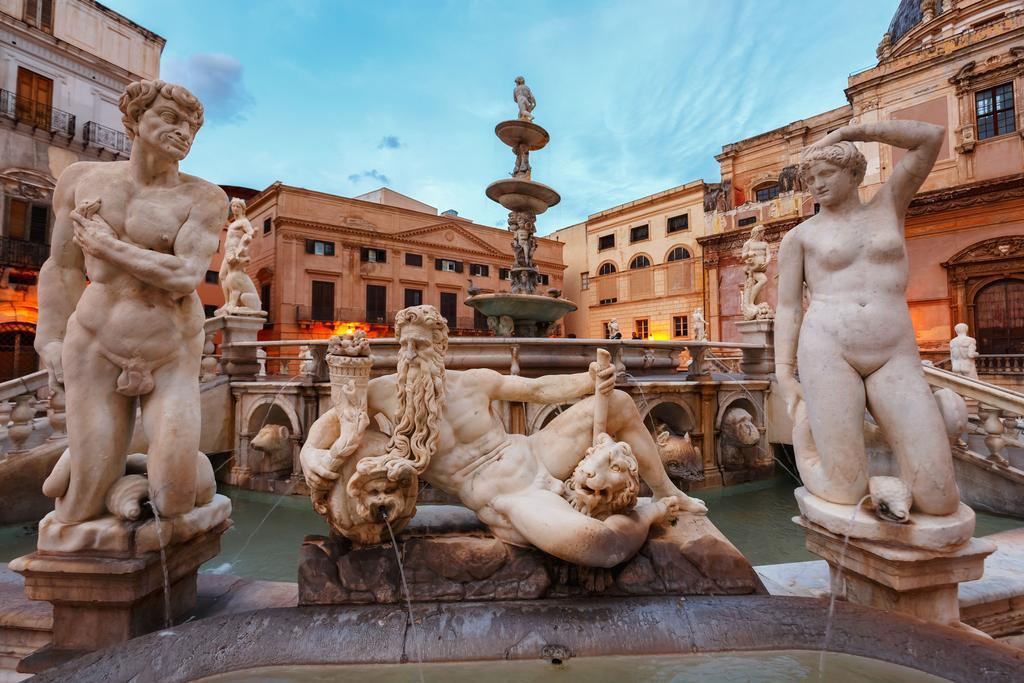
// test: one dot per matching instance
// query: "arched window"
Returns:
(606, 268)
(767, 192)
(640, 261)
(678, 254)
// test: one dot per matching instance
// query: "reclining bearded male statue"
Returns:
(446, 433)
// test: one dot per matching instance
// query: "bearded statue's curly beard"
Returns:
(420, 402)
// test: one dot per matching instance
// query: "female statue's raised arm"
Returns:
(921, 140)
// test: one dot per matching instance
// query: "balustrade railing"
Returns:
(23, 253)
(36, 114)
(19, 406)
(101, 136)
(1000, 364)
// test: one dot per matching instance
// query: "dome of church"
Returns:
(908, 15)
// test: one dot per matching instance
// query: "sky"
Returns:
(638, 96)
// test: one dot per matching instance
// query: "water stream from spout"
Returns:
(405, 589)
(168, 621)
(834, 586)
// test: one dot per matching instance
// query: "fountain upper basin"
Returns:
(514, 133)
(544, 309)
(516, 194)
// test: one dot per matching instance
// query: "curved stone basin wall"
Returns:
(554, 629)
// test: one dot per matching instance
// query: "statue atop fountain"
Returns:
(531, 314)
(756, 257)
(851, 258)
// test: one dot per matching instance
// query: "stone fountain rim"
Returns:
(564, 306)
(525, 630)
(515, 186)
(520, 126)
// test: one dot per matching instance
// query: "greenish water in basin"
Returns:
(268, 529)
(768, 667)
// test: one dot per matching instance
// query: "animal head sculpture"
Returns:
(606, 481)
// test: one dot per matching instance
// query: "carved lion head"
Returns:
(606, 481)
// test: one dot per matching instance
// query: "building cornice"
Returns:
(42, 45)
(694, 185)
(963, 196)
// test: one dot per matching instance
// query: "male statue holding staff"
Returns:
(142, 233)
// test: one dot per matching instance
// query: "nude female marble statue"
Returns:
(143, 234)
(446, 433)
(855, 343)
(240, 296)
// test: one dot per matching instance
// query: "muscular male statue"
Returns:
(446, 431)
(143, 234)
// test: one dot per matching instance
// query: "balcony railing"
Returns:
(305, 313)
(666, 279)
(37, 114)
(101, 136)
(22, 253)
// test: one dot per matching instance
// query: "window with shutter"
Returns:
(413, 297)
(39, 223)
(267, 224)
(449, 307)
(323, 301)
(376, 304)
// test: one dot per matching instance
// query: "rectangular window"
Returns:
(376, 304)
(504, 273)
(542, 279)
(680, 326)
(641, 328)
(38, 224)
(212, 277)
(449, 307)
(265, 298)
(677, 223)
(413, 297)
(765, 194)
(448, 265)
(323, 301)
(17, 216)
(479, 320)
(371, 255)
(39, 13)
(749, 220)
(34, 99)
(320, 248)
(268, 223)
(605, 242)
(610, 300)
(584, 281)
(994, 108)
(479, 270)
(639, 233)
(415, 260)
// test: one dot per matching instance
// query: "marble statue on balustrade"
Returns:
(614, 332)
(700, 330)
(756, 256)
(240, 296)
(142, 234)
(364, 457)
(307, 365)
(856, 347)
(963, 352)
(523, 97)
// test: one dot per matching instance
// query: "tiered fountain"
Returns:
(522, 312)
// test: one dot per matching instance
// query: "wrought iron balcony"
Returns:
(22, 253)
(101, 136)
(36, 114)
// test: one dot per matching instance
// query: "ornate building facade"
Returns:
(639, 264)
(63, 65)
(325, 264)
(959, 64)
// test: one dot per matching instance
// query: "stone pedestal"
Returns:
(915, 582)
(103, 600)
(449, 556)
(757, 361)
(236, 361)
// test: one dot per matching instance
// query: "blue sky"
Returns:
(638, 96)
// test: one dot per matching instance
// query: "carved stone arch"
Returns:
(685, 247)
(673, 410)
(741, 461)
(267, 403)
(980, 264)
(606, 262)
(544, 416)
(634, 257)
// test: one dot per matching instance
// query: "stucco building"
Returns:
(958, 64)
(63, 66)
(638, 263)
(325, 264)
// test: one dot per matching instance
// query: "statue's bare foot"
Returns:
(676, 505)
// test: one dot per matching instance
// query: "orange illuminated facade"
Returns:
(326, 264)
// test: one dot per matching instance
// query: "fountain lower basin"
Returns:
(532, 313)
